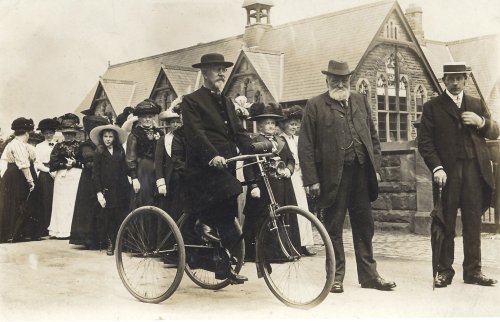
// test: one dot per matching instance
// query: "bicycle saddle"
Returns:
(205, 232)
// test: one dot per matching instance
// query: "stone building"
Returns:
(393, 65)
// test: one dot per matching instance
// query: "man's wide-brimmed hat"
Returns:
(455, 68)
(338, 68)
(147, 107)
(212, 59)
(261, 111)
(292, 113)
(48, 124)
(22, 123)
(96, 133)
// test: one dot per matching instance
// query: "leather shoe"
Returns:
(480, 279)
(337, 287)
(307, 252)
(205, 232)
(442, 280)
(235, 278)
(379, 284)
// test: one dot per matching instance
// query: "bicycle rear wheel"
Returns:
(202, 275)
(150, 254)
(296, 280)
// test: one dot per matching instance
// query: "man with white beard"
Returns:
(339, 151)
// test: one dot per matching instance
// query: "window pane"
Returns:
(381, 102)
(382, 132)
(402, 104)
(393, 126)
(403, 126)
(392, 103)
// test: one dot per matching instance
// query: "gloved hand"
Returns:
(31, 185)
(101, 199)
(136, 185)
(255, 193)
(162, 190)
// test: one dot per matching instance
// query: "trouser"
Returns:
(464, 189)
(353, 195)
(221, 217)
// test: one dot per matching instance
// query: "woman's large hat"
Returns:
(22, 123)
(168, 115)
(48, 124)
(293, 113)
(212, 59)
(147, 107)
(92, 121)
(261, 111)
(338, 68)
(96, 133)
(122, 117)
(69, 123)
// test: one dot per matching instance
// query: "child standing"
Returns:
(110, 181)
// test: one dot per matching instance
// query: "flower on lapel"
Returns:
(241, 106)
(156, 136)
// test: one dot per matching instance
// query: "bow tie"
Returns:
(51, 144)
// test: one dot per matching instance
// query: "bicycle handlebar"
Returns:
(249, 156)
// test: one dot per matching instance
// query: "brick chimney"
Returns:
(414, 16)
(258, 20)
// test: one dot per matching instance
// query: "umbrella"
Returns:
(437, 234)
(24, 215)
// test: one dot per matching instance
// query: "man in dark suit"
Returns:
(213, 133)
(340, 155)
(451, 140)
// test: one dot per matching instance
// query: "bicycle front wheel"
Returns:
(295, 279)
(150, 254)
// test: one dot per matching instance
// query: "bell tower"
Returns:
(258, 20)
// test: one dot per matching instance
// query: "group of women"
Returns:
(81, 190)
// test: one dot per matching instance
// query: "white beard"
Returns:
(339, 94)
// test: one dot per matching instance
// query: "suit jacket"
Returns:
(207, 136)
(163, 162)
(322, 138)
(438, 133)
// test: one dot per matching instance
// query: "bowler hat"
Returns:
(212, 59)
(261, 111)
(455, 68)
(96, 132)
(338, 68)
(22, 123)
(48, 124)
(148, 106)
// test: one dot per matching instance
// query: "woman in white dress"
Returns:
(290, 126)
(67, 161)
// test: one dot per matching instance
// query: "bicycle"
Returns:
(151, 253)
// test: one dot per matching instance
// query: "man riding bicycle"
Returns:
(213, 134)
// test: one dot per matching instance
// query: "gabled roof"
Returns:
(268, 68)
(119, 93)
(87, 101)
(310, 43)
(184, 80)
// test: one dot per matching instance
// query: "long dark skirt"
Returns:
(146, 176)
(44, 192)
(84, 225)
(17, 219)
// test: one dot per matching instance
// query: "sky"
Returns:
(53, 51)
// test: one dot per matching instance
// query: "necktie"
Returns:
(457, 101)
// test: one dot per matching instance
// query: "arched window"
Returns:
(392, 103)
(363, 87)
(248, 90)
(256, 98)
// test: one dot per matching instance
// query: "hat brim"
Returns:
(147, 111)
(325, 72)
(462, 72)
(265, 116)
(168, 116)
(69, 130)
(223, 63)
(94, 134)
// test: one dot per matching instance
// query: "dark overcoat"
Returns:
(211, 129)
(439, 130)
(109, 176)
(282, 188)
(321, 140)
